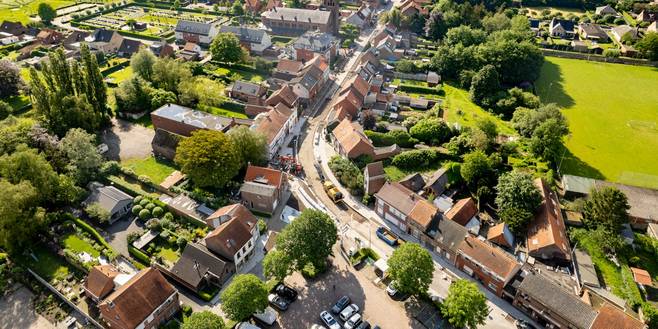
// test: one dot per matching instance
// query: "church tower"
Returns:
(333, 7)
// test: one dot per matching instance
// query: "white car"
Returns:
(268, 316)
(246, 325)
(317, 326)
(329, 320)
(347, 312)
(391, 290)
(353, 321)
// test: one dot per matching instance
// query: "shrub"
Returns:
(139, 255)
(348, 174)
(144, 179)
(431, 131)
(110, 168)
(400, 137)
(420, 89)
(416, 159)
(181, 242)
(138, 199)
(157, 212)
(168, 216)
(149, 206)
(136, 209)
(144, 214)
(86, 227)
(144, 202)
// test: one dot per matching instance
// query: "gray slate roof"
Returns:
(108, 197)
(314, 40)
(245, 34)
(449, 233)
(296, 14)
(245, 87)
(193, 27)
(195, 262)
(258, 189)
(558, 300)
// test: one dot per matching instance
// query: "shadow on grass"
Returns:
(573, 165)
(550, 87)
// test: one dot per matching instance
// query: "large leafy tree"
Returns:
(209, 158)
(546, 140)
(80, 149)
(606, 208)
(203, 320)
(251, 144)
(226, 48)
(20, 216)
(246, 295)
(46, 12)
(142, 63)
(465, 306)
(517, 199)
(308, 240)
(10, 79)
(411, 266)
(168, 73)
(476, 167)
(648, 46)
(135, 95)
(484, 85)
(431, 131)
(276, 265)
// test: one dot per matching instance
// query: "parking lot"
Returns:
(320, 295)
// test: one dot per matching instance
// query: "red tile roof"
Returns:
(270, 123)
(267, 176)
(234, 231)
(610, 317)
(289, 66)
(284, 95)
(352, 140)
(641, 276)
(462, 211)
(547, 233)
(100, 280)
(494, 259)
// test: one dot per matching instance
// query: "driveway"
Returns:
(320, 294)
(117, 233)
(127, 140)
(17, 311)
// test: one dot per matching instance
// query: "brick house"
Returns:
(405, 209)
(296, 21)
(447, 236)
(100, 282)
(350, 141)
(547, 236)
(276, 125)
(245, 91)
(374, 177)
(313, 43)
(490, 265)
(235, 234)
(254, 40)
(145, 301)
(195, 32)
(263, 189)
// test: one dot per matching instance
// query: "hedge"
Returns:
(139, 255)
(92, 231)
(419, 89)
(416, 158)
(115, 68)
(140, 36)
(400, 137)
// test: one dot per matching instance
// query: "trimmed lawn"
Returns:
(156, 169)
(395, 174)
(613, 117)
(222, 112)
(16, 10)
(458, 108)
(169, 254)
(238, 74)
(17, 102)
(77, 245)
(47, 264)
(121, 75)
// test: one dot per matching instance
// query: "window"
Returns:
(493, 286)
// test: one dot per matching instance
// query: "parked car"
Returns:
(317, 326)
(268, 316)
(387, 236)
(353, 321)
(329, 320)
(363, 325)
(278, 302)
(522, 324)
(246, 325)
(340, 305)
(347, 312)
(286, 292)
(391, 289)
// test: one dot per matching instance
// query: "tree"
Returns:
(237, 9)
(393, 17)
(142, 63)
(251, 144)
(5, 110)
(203, 320)
(84, 159)
(246, 295)
(648, 46)
(431, 131)
(20, 218)
(406, 66)
(97, 212)
(368, 119)
(209, 158)
(465, 306)
(476, 166)
(546, 140)
(226, 48)
(46, 12)
(135, 95)
(412, 268)
(276, 265)
(436, 26)
(517, 199)
(526, 121)
(464, 35)
(201, 91)
(484, 85)
(497, 22)
(168, 74)
(606, 207)
(308, 240)
(10, 79)
(160, 97)
(131, 23)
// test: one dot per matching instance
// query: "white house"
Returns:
(235, 234)
(255, 40)
(195, 32)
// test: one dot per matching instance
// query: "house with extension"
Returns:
(198, 268)
(116, 202)
(448, 236)
(12, 28)
(276, 125)
(551, 305)
(263, 189)
(145, 301)
(244, 91)
(436, 184)
(562, 28)
(195, 32)
(594, 32)
(296, 21)
(311, 79)
(547, 235)
(360, 18)
(284, 95)
(253, 7)
(252, 39)
(490, 265)
(405, 209)
(374, 177)
(106, 41)
(128, 48)
(313, 43)
(621, 31)
(464, 212)
(235, 234)
(350, 141)
(100, 282)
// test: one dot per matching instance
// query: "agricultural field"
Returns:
(613, 116)
(25, 11)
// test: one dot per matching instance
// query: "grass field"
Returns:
(613, 116)
(46, 264)
(458, 108)
(21, 10)
(155, 169)
(121, 75)
(77, 245)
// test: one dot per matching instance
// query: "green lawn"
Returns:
(77, 245)
(17, 102)
(156, 169)
(46, 264)
(458, 108)
(21, 10)
(613, 116)
(169, 254)
(121, 75)
(240, 74)
(222, 112)
(395, 174)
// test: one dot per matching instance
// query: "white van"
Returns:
(268, 316)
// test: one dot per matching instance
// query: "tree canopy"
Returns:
(246, 295)
(203, 320)
(84, 161)
(465, 306)
(226, 48)
(648, 46)
(251, 144)
(476, 166)
(209, 158)
(308, 240)
(10, 79)
(517, 199)
(276, 265)
(431, 131)
(46, 12)
(606, 207)
(412, 268)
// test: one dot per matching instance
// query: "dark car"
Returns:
(286, 292)
(363, 325)
(521, 324)
(340, 304)
(278, 302)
